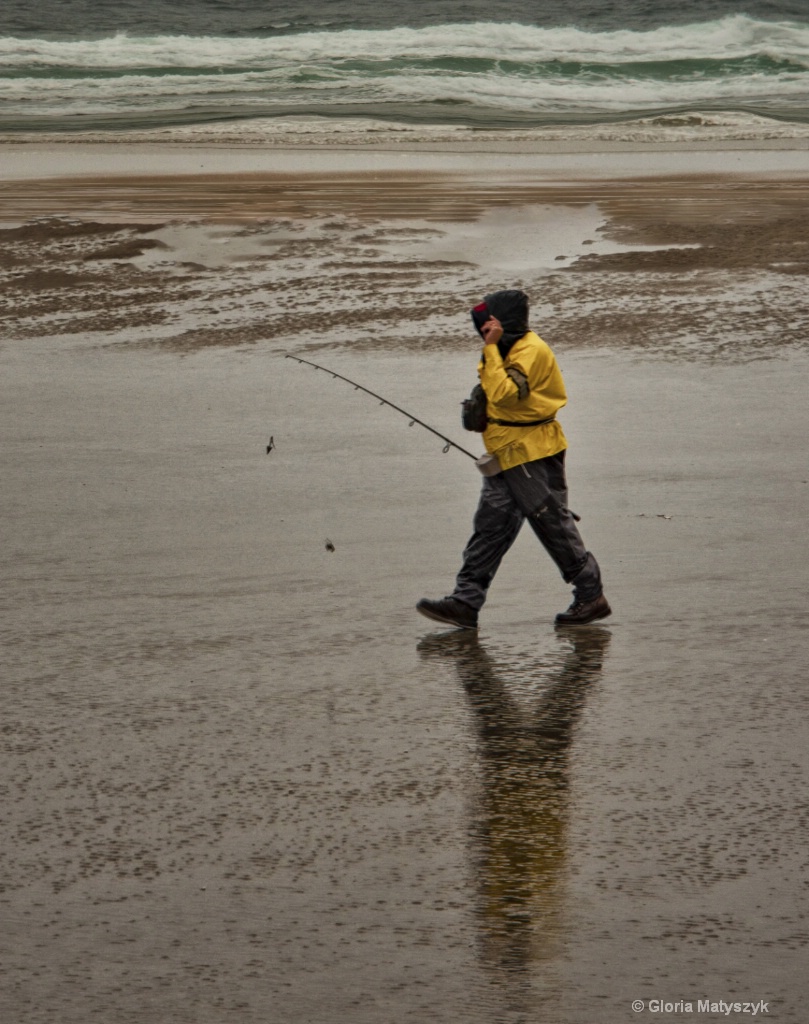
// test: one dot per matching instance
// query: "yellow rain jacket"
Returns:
(527, 385)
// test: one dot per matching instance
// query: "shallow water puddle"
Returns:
(531, 239)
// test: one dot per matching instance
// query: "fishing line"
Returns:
(384, 401)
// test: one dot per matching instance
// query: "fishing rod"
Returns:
(413, 419)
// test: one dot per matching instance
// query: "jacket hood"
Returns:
(511, 309)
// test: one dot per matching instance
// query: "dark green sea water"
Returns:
(87, 64)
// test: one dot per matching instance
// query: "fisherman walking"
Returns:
(522, 390)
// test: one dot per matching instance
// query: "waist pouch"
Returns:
(473, 410)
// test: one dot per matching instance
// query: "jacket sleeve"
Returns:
(502, 386)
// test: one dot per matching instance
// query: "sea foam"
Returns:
(484, 74)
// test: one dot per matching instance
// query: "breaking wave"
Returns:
(479, 74)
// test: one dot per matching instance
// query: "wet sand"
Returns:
(243, 780)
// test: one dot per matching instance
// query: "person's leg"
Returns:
(540, 489)
(496, 525)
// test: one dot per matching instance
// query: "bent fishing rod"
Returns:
(383, 401)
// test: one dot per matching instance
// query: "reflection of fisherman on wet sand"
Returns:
(519, 829)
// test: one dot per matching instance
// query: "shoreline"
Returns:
(512, 165)
(400, 140)
(668, 137)
(308, 146)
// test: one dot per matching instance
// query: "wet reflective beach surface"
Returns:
(519, 818)
(244, 781)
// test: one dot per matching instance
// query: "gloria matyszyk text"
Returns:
(700, 1006)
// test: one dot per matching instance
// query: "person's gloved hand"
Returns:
(492, 331)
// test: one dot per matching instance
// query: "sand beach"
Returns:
(243, 781)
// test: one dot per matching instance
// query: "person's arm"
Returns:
(502, 386)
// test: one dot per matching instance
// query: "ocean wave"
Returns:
(727, 38)
(477, 73)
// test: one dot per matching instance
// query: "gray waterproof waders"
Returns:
(536, 491)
